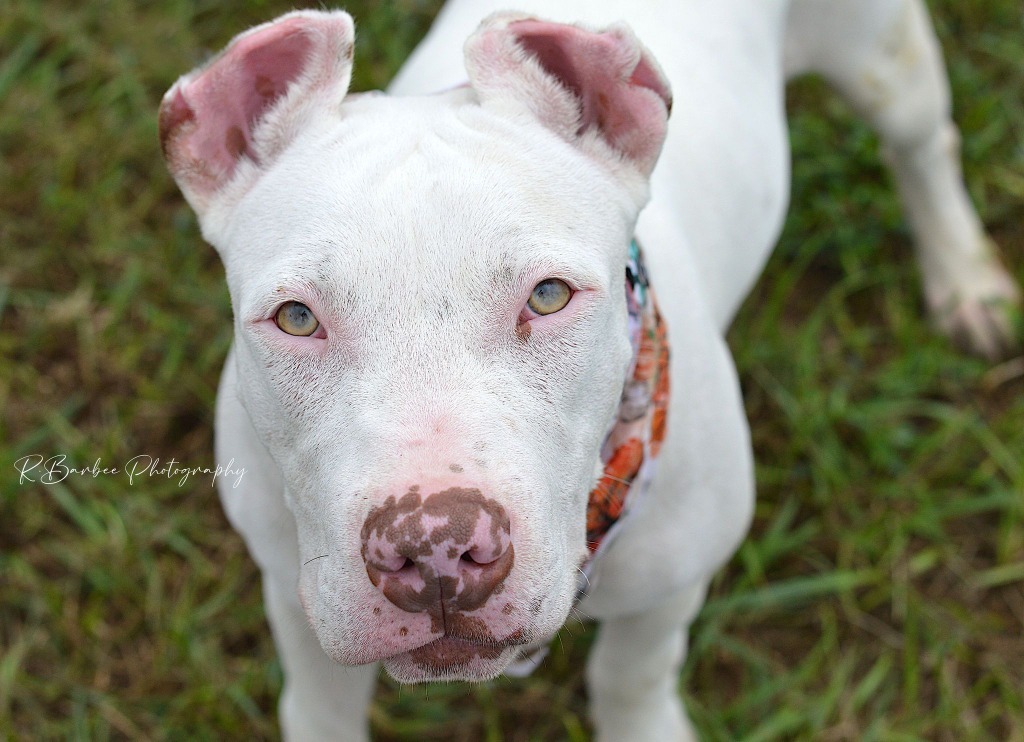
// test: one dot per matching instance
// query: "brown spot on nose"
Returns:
(455, 468)
(444, 554)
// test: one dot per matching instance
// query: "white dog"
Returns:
(451, 400)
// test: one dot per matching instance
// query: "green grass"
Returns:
(881, 596)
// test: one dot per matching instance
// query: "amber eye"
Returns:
(549, 296)
(296, 319)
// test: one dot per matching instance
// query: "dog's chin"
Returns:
(449, 659)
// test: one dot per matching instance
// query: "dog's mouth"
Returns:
(454, 658)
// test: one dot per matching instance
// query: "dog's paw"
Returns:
(981, 312)
(985, 327)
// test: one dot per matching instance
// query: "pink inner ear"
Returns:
(645, 76)
(231, 95)
(614, 99)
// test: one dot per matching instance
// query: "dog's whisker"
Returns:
(585, 577)
(580, 615)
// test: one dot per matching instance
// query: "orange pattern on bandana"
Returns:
(636, 436)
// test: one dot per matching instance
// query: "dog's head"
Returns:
(430, 320)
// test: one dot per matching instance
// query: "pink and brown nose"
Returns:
(442, 554)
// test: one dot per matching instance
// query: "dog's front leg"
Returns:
(633, 672)
(322, 700)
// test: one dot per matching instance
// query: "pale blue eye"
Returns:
(296, 319)
(549, 296)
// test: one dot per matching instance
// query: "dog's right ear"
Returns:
(231, 118)
(601, 91)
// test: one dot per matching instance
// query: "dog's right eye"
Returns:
(296, 319)
(550, 296)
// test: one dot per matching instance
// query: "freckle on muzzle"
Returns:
(445, 555)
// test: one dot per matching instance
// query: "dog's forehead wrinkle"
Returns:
(447, 127)
(419, 142)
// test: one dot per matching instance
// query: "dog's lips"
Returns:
(452, 658)
(449, 651)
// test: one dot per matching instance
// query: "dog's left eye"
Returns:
(296, 319)
(549, 296)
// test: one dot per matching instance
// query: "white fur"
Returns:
(414, 225)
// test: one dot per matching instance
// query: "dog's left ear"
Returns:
(225, 123)
(602, 91)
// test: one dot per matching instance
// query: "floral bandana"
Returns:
(634, 439)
